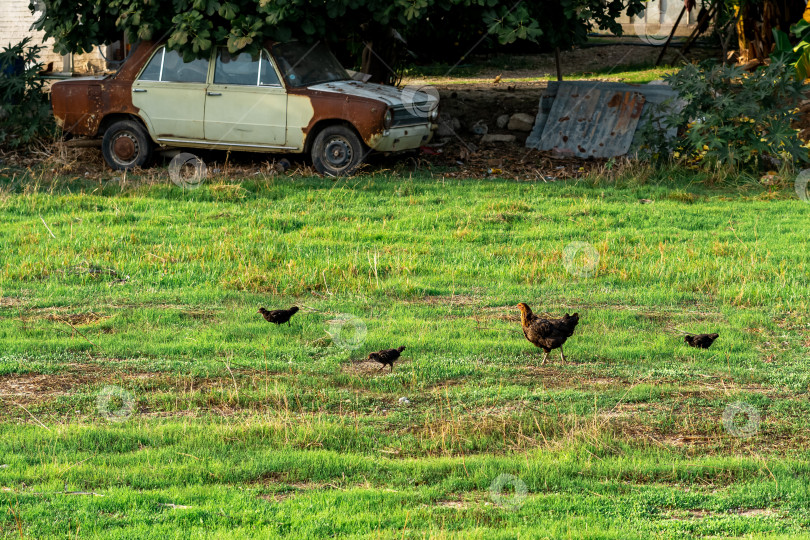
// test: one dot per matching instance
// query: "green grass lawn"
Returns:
(626, 74)
(142, 395)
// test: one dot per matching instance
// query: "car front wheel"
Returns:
(126, 145)
(337, 151)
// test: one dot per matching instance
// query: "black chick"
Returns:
(700, 341)
(278, 316)
(548, 334)
(386, 357)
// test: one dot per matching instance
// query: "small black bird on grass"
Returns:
(278, 316)
(700, 341)
(386, 357)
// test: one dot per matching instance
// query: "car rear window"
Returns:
(152, 71)
(168, 66)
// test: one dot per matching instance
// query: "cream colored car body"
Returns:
(271, 118)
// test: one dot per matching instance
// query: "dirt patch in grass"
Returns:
(699, 513)
(290, 487)
(11, 301)
(41, 387)
(757, 512)
(366, 367)
(456, 504)
(553, 377)
(692, 514)
(76, 319)
(657, 319)
(502, 313)
(64, 315)
(277, 497)
(198, 315)
(452, 300)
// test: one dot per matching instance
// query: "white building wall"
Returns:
(15, 24)
(659, 17)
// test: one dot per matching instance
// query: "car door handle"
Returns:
(214, 93)
(139, 90)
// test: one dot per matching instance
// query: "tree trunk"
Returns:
(755, 29)
(380, 55)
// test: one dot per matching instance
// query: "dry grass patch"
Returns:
(366, 367)
(41, 387)
(11, 301)
(76, 319)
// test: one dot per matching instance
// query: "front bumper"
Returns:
(397, 139)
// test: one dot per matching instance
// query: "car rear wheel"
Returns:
(126, 145)
(337, 151)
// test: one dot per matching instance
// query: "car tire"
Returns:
(337, 151)
(126, 145)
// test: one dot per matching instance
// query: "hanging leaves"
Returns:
(194, 26)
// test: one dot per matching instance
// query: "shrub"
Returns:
(732, 117)
(25, 113)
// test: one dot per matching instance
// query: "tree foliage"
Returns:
(193, 26)
(25, 113)
(733, 117)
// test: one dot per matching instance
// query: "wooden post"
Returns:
(557, 61)
(669, 39)
(703, 20)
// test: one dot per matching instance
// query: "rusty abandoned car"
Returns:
(290, 98)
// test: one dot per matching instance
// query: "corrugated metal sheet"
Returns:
(655, 95)
(597, 123)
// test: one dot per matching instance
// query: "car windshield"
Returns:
(305, 65)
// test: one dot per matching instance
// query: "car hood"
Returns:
(82, 80)
(390, 95)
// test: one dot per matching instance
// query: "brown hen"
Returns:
(700, 341)
(386, 357)
(278, 316)
(548, 334)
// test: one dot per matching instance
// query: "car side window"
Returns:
(168, 66)
(244, 70)
(238, 69)
(175, 70)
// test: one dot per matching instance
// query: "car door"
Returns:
(246, 104)
(170, 94)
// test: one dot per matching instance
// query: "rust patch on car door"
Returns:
(366, 115)
(80, 105)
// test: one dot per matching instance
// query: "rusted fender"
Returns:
(79, 105)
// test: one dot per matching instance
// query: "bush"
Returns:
(25, 113)
(733, 117)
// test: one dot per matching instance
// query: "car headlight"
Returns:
(434, 115)
(388, 119)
